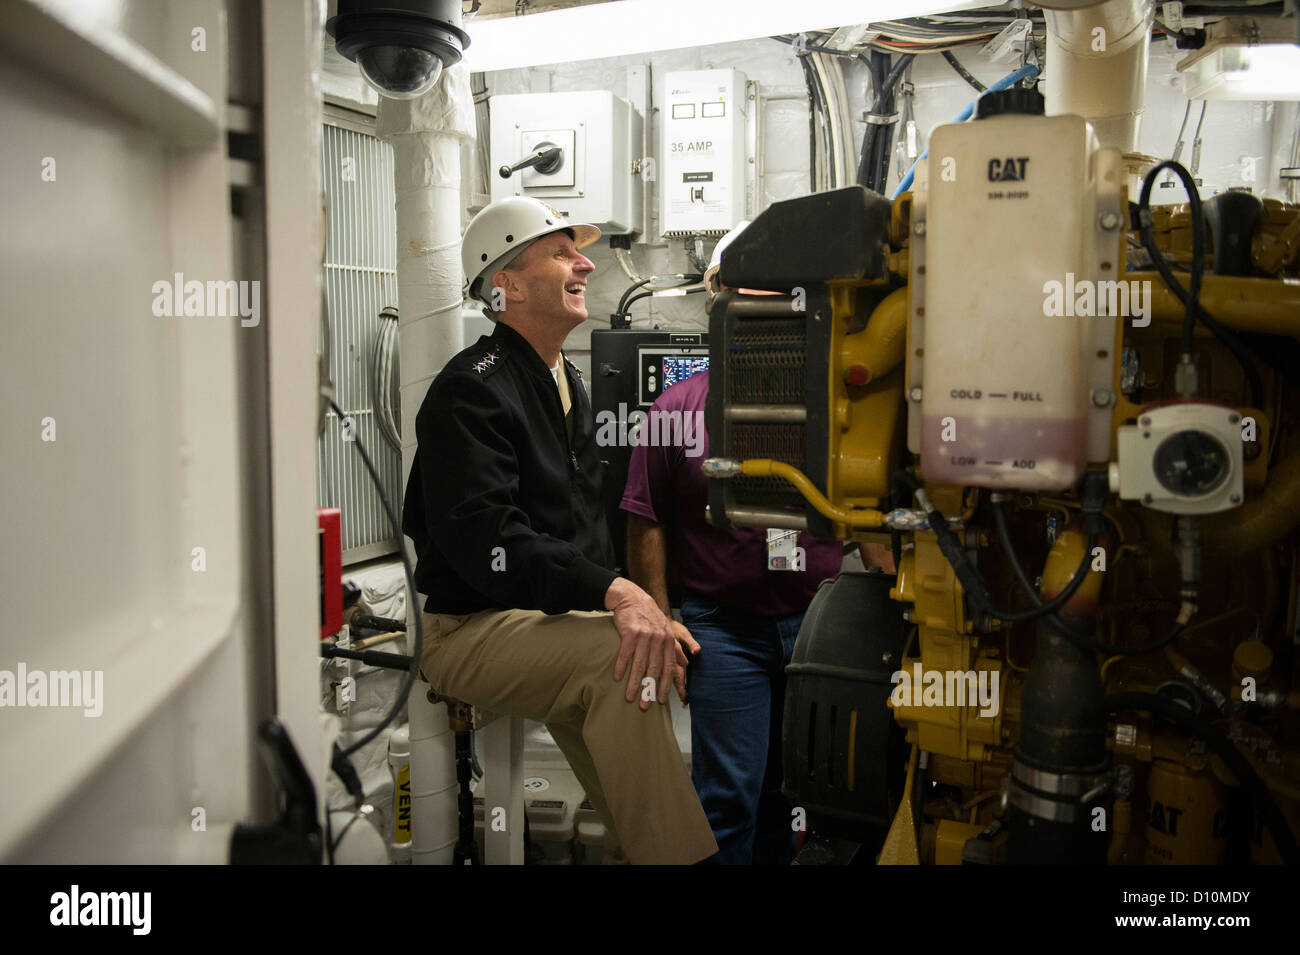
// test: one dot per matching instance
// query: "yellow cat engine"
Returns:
(1071, 418)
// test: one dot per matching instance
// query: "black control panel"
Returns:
(629, 370)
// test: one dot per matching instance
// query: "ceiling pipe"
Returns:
(1097, 56)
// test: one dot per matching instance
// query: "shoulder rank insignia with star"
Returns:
(486, 362)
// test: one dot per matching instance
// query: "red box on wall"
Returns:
(329, 531)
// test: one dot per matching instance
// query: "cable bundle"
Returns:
(385, 396)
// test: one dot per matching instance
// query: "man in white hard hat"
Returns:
(524, 614)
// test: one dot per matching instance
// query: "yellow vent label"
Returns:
(402, 817)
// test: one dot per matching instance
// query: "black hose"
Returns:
(386, 624)
(880, 71)
(1042, 607)
(878, 61)
(1225, 749)
(1190, 297)
(635, 298)
(884, 146)
(878, 139)
(867, 154)
(640, 295)
(1078, 638)
(964, 73)
(977, 593)
(896, 73)
(400, 702)
(465, 851)
(374, 658)
(972, 581)
(622, 302)
(812, 125)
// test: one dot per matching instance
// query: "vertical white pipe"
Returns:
(1097, 66)
(426, 135)
(433, 780)
(503, 787)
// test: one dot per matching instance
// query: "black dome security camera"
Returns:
(401, 46)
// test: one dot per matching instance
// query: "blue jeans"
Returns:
(736, 689)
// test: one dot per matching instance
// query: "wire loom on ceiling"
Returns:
(940, 33)
(949, 31)
(935, 34)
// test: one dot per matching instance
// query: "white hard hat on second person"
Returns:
(502, 230)
(726, 240)
(711, 283)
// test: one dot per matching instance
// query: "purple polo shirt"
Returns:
(665, 485)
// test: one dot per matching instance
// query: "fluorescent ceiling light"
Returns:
(1266, 72)
(629, 27)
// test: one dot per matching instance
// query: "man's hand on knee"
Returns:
(649, 647)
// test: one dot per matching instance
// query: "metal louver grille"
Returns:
(781, 442)
(360, 279)
(767, 362)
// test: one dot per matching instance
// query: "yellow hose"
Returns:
(766, 467)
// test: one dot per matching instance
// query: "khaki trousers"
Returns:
(559, 669)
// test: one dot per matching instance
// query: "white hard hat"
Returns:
(725, 241)
(505, 228)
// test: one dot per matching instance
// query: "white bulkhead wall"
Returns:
(128, 470)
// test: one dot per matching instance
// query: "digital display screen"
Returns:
(680, 367)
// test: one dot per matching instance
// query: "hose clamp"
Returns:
(1060, 784)
(1053, 810)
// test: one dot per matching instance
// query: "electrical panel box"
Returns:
(629, 370)
(597, 178)
(702, 188)
(1018, 285)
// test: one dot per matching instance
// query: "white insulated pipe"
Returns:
(427, 135)
(1097, 65)
(433, 780)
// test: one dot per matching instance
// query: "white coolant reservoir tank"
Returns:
(1013, 365)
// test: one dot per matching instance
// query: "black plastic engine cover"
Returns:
(841, 234)
(837, 685)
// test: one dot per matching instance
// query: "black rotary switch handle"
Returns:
(547, 157)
